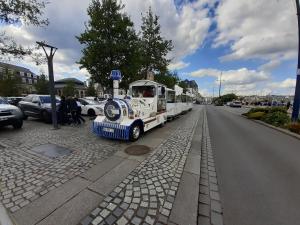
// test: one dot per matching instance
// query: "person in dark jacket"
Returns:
(62, 111)
(72, 108)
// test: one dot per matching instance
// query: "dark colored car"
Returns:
(38, 106)
(10, 115)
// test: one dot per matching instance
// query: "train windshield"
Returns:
(143, 91)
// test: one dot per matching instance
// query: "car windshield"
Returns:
(91, 102)
(3, 101)
(143, 91)
(47, 99)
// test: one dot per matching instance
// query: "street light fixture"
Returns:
(296, 104)
(51, 79)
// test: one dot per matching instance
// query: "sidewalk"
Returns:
(163, 187)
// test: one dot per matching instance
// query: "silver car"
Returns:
(10, 115)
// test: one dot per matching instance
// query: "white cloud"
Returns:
(260, 29)
(178, 65)
(288, 83)
(241, 81)
(186, 25)
(241, 76)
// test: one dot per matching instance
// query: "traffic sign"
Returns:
(116, 75)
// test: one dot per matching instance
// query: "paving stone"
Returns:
(141, 212)
(216, 206)
(118, 212)
(122, 221)
(110, 219)
(216, 218)
(86, 221)
(97, 220)
(136, 221)
(215, 195)
(204, 210)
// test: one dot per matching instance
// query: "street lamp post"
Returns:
(51, 79)
(296, 104)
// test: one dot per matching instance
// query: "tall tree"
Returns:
(69, 89)
(42, 85)
(28, 12)
(154, 48)
(110, 42)
(10, 83)
(91, 91)
(170, 79)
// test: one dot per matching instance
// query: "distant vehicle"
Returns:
(10, 115)
(228, 103)
(91, 107)
(236, 104)
(38, 106)
(14, 100)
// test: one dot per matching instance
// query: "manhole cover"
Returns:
(137, 150)
(51, 150)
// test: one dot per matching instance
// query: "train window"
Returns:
(161, 92)
(143, 91)
(170, 96)
(178, 98)
(183, 98)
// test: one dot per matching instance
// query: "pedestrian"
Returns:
(62, 111)
(72, 108)
(78, 113)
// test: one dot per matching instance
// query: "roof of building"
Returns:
(66, 80)
(14, 67)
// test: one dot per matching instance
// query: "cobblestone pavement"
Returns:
(147, 195)
(210, 207)
(26, 175)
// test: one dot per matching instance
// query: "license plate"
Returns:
(108, 130)
(3, 118)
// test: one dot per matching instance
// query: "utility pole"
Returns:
(51, 79)
(220, 85)
(296, 105)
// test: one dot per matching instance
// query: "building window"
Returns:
(21, 73)
(23, 80)
(30, 81)
(26, 80)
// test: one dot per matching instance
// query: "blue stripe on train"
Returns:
(120, 131)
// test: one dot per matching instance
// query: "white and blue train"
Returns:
(150, 104)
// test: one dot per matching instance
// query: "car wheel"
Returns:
(135, 132)
(18, 124)
(46, 117)
(91, 112)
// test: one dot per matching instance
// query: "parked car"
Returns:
(236, 104)
(10, 115)
(14, 100)
(91, 107)
(38, 106)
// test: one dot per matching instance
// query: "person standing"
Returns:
(62, 111)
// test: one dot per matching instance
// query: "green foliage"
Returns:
(169, 79)
(69, 89)
(91, 91)
(20, 11)
(42, 85)
(276, 118)
(294, 127)
(256, 115)
(110, 42)
(268, 109)
(154, 48)
(10, 85)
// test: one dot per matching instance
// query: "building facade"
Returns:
(28, 78)
(79, 86)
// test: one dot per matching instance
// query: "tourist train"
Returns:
(148, 104)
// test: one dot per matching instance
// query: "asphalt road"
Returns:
(258, 170)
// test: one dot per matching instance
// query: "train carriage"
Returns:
(127, 119)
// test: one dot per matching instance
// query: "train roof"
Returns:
(144, 82)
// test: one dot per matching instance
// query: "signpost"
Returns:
(296, 103)
(116, 76)
(51, 79)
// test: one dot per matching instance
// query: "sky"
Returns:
(250, 45)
